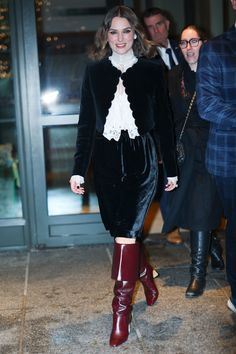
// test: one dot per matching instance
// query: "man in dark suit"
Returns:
(216, 98)
(157, 23)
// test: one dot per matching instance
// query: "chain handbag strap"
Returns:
(187, 115)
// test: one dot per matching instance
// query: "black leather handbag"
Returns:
(180, 153)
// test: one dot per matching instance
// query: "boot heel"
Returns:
(146, 276)
(150, 289)
(216, 251)
(155, 273)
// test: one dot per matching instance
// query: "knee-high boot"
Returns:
(216, 253)
(199, 243)
(125, 270)
(146, 278)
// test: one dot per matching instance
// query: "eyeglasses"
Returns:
(193, 43)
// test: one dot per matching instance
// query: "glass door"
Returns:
(64, 31)
(12, 222)
(43, 47)
(10, 193)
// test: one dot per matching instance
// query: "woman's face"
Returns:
(191, 40)
(120, 35)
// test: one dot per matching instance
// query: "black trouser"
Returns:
(227, 192)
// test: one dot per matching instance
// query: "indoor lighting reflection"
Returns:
(50, 97)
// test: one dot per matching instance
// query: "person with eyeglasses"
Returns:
(158, 23)
(194, 42)
(195, 205)
(216, 99)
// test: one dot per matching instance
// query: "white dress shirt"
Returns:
(165, 56)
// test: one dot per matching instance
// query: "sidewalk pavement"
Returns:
(59, 301)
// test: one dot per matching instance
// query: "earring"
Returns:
(135, 36)
(104, 46)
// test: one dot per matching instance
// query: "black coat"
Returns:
(195, 204)
(146, 89)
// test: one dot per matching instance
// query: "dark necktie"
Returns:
(169, 52)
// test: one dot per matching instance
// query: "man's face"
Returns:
(158, 29)
(233, 2)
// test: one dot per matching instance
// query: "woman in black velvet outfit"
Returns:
(124, 104)
(195, 204)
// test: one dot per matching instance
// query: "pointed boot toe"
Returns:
(196, 287)
(120, 330)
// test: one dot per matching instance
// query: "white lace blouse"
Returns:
(120, 116)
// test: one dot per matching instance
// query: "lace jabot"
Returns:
(124, 61)
(120, 116)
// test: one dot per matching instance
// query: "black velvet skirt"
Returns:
(125, 176)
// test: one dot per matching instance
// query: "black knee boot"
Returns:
(216, 251)
(199, 243)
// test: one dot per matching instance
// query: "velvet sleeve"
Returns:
(85, 129)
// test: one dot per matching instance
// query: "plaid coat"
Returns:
(216, 100)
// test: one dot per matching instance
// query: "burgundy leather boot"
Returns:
(125, 270)
(146, 278)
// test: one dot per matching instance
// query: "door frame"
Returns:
(44, 230)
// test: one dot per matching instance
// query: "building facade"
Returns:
(42, 59)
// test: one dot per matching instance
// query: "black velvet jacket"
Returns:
(145, 85)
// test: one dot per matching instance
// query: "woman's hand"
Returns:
(171, 183)
(75, 184)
